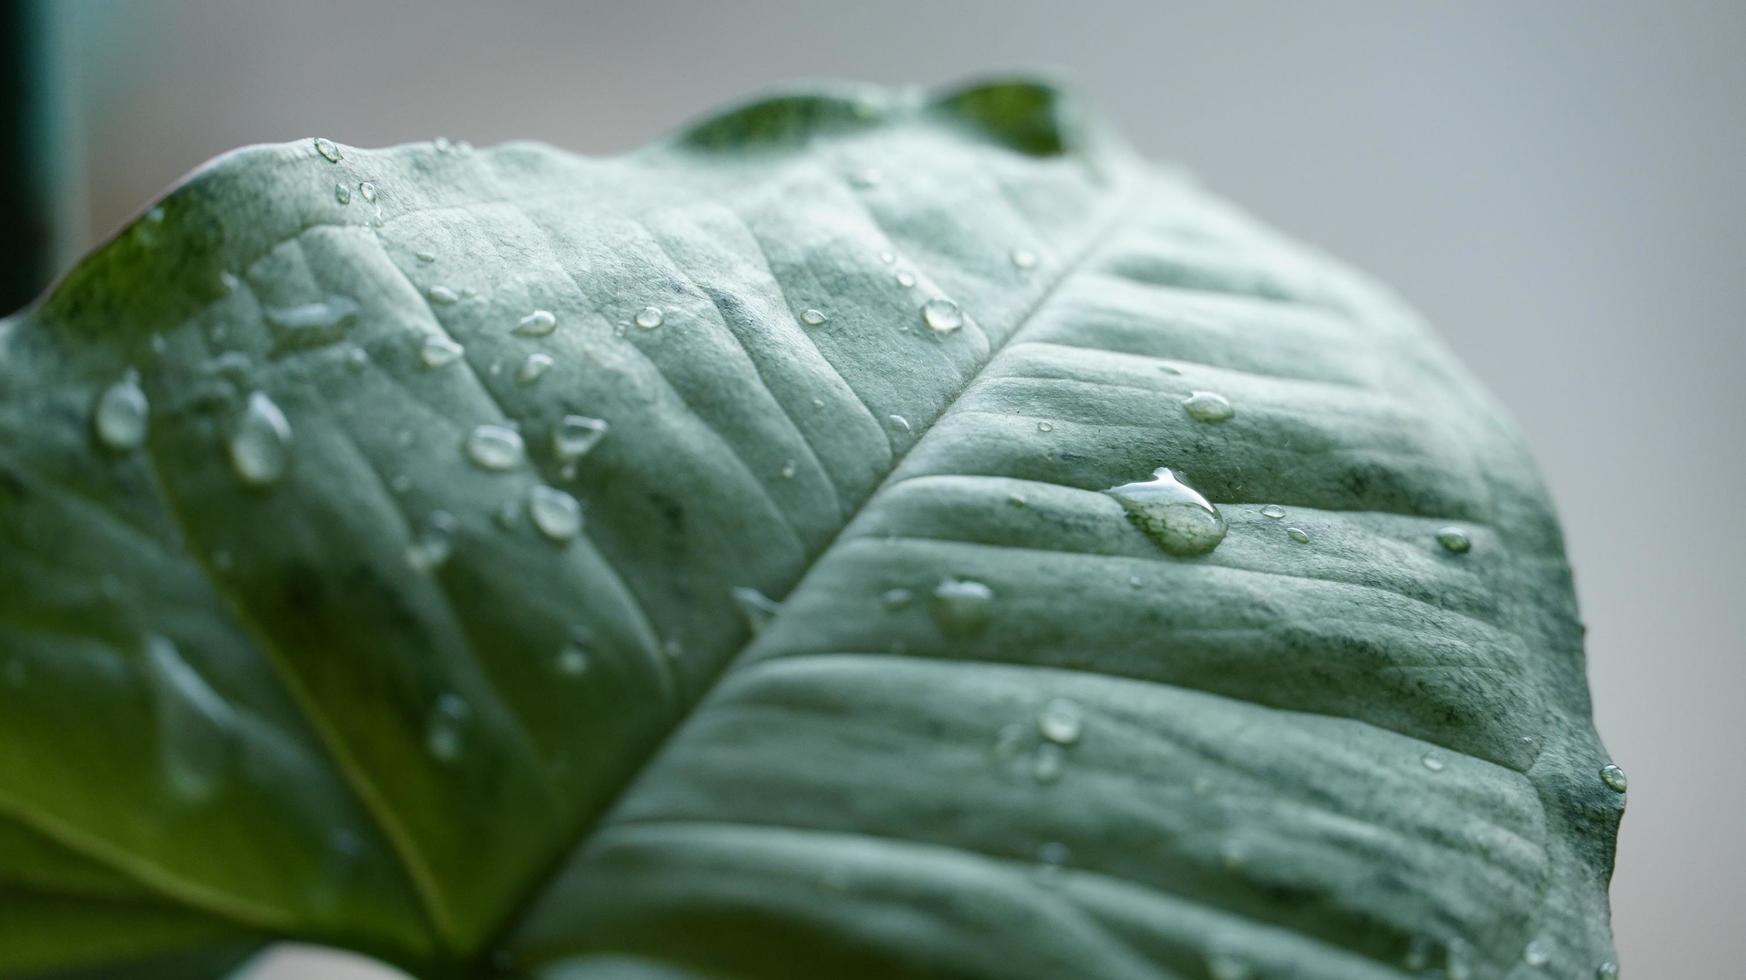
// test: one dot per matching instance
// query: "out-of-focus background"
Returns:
(1560, 185)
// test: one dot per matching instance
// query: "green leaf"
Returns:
(854, 668)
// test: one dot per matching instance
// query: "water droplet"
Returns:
(1047, 764)
(554, 512)
(533, 368)
(1273, 512)
(1614, 777)
(424, 255)
(1024, 258)
(196, 728)
(441, 295)
(1173, 514)
(311, 323)
(1208, 406)
(326, 148)
(438, 351)
(1432, 761)
(1045, 427)
(1607, 971)
(895, 599)
(445, 733)
(122, 413)
(942, 315)
(1454, 539)
(906, 279)
(899, 423)
(494, 447)
(867, 177)
(961, 607)
(357, 359)
(758, 608)
(1059, 721)
(342, 193)
(813, 318)
(576, 656)
(434, 543)
(537, 324)
(575, 435)
(1536, 953)
(1134, 582)
(789, 469)
(1297, 534)
(367, 191)
(888, 257)
(650, 317)
(260, 444)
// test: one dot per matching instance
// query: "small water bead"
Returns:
(1607, 971)
(367, 191)
(1536, 953)
(895, 599)
(1297, 534)
(434, 543)
(942, 315)
(539, 323)
(425, 256)
(888, 257)
(342, 193)
(438, 351)
(1047, 764)
(899, 423)
(1432, 761)
(533, 368)
(445, 733)
(494, 447)
(122, 414)
(906, 279)
(757, 608)
(789, 469)
(576, 435)
(813, 318)
(1024, 258)
(260, 443)
(1173, 514)
(327, 149)
(1454, 539)
(1208, 406)
(1045, 427)
(576, 656)
(1273, 512)
(1614, 777)
(441, 295)
(357, 359)
(961, 607)
(650, 317)
(1059, 721)
(557, 514)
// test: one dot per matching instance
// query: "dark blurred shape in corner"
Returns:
(37, 183)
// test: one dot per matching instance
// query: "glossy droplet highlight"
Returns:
(494, 447)
(446, 731)
(441, 295)
(367, 191)
(425, 255)
(1607, 971)
(1432, 761)
(1045, 427)
(122, 414)
(906, 279)
(899, 423)
(961, 607)
(537, 324)
(437, 351)
(1297, 534)
(1208, 406)
(557, 514)
(533, 369)
(942, 315)
(1059, 721)
(342, 193)
(575, 436)
(650, 317)
(1614, 777)
(757, 608)
(1273, 512)
(1173, 514)
(1454, 539)
(434, 543)
(1537, 953)
(576, 656)
(327, 149)
(894, 599)
(260, 443)
(1024, 258)
(813, 318)
(888, 257)
(789, 469)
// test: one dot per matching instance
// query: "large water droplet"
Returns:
(961, 607)
(367, 191)
(260, 444)
(1208, 406)
(575, 436)
(327, 149)
(1607, 971)
(441, 295)
(758, 608)
(434, 543)
(1173, 514)
(554, 512)
(196, 728)
(1297, 534)
(899, 423)
(494, 447)
(342, 193)
(1537, 952)
(1454, 539)
(446, 731)
(534, 368)
(1614, 777)
(906, 279)
(437, 351)
(1432, 761)
(1059, 721)
(813, 318)
(650, 317)
(1273, 512)
(537, 324)
(942, 315)
(311, 324)
(122, 413)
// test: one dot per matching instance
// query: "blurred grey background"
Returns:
(1557, 184)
